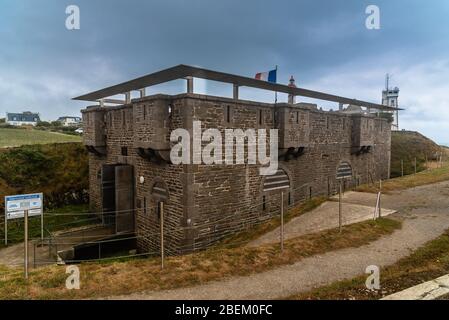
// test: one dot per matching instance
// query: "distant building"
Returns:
(390, 97)
(21, 119)
(70, 121)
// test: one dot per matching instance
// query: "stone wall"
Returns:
(208, 202)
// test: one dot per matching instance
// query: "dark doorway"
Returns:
(124, 199)
(118, 197)
(108, 193)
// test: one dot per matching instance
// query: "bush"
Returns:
(60, 171)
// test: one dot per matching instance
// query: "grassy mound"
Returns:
(406, 145)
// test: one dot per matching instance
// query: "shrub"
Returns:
(60, 171)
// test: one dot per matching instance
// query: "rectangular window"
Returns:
(260, 117)
(297, 117)
(228, 114)
(289, 198)
(144, 112)
(145, 205)
(124, 151)
(264, 205)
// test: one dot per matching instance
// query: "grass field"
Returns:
(427, 263)
(18, 137)
(122, 277)
(414, 180)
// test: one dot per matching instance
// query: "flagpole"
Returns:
(276, 93)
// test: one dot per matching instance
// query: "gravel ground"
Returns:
(322, 218)
(425, 215)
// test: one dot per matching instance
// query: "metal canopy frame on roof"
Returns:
(185, 71)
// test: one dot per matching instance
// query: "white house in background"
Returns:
(21, 119)
(70, 121)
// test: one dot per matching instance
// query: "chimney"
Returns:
(291, 97)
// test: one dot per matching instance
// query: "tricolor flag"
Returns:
(269, 76)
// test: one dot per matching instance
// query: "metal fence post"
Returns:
(340, 208)
(282, 221)
(380, 196)
(161, 204)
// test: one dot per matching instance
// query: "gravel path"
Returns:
(425, 215)
(324, 217)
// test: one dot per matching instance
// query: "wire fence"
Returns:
(102, 246)
(59, 249)
(414, 165)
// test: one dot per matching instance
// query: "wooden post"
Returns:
(26, 245)
(282, 221)
(42, 225)
(380, 196)
(162, 233)
(415, 165)
(34, 255)
(340, 208)
(376, 209)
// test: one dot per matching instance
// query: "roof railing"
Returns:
(188, 73)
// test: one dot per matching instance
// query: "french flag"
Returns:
(269, 76)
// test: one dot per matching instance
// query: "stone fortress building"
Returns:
(131, 173)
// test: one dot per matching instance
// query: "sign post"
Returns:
(278, 182)
(380, 195)
(339, 208)
(19, 206)
(282, 221)
(344, 171)
(162, 233)
(6, 226)
(25, 259)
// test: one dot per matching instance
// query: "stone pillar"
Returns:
(291, 99)
(235, 92)
(127, 97)
(189, 84)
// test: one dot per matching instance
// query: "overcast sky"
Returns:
(324, 44)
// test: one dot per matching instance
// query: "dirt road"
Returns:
(425, 215)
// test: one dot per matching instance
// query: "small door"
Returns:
(124, 199)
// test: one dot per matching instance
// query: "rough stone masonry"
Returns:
(131, 173)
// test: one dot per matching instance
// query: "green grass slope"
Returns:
(17, 137)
